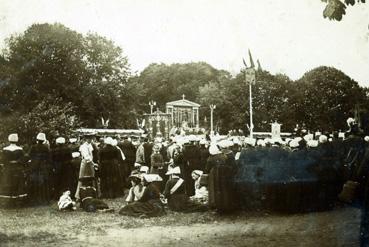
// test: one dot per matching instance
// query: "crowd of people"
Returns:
(183, 173)
(90, 169)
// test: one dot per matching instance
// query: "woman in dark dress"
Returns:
(63, 170)
(220, 180)
(39, 180)
(175, 191)
(110, 174)
(12, 174)
(149, 205)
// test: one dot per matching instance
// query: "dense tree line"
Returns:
(54, 79)
(77, 79)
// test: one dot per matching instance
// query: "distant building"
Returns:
(183, 113)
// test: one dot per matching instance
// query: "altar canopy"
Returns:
(158, 123)
(184, 113)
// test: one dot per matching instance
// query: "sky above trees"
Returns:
(287, 36)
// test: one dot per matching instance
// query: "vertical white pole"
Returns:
(251, 124)
(211, 120)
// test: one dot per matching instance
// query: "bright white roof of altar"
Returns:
(183, 102)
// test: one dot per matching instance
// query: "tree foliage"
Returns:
(54, 79)
(336, 9)
(163, 83)
(321, 100)
(87, 74)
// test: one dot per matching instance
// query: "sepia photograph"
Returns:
(184, 123)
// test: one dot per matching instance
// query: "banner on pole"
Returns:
(250, 74)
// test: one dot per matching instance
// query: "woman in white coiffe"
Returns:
(201, 192)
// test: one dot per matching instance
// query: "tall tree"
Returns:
(88, 73)
(328, 97)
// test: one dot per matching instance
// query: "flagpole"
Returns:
(251, 124)
(250, 78)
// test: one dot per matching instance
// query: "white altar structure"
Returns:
(184, 113)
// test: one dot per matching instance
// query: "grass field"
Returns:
(46, 226)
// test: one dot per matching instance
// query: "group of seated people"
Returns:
(145, 198)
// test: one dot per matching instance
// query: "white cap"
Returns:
(308, 137)
(72, 140)
(225, 143)
(250, 141)
(312, 143)
(41, 137)
(350, 120)
(323, 138)
(76, 154)
(60, 140)
(213, 149)
(236, 141)
(152, 177)
(192, 138)
(13, 137)
(114, 142)
(108, 140)
(144, 169)
(294, 143)
(260, 143)
(366, 138)
(175, 170)
(197, 172)
(298, 139)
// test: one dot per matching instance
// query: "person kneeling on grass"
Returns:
(137, 189)
(88, 195)
(175, 194)
(201, 191)
(149, 205)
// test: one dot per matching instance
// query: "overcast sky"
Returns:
(288, 36)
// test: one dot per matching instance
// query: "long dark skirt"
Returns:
(221, 192)
(39, 185)
(67, 179)
(110, 179)
(13, 190)
(151, 208)
(181, 203)
(86, 171)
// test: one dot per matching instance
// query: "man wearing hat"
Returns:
(13, 190)
(41, 169)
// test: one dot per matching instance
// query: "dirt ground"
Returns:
(46, 226)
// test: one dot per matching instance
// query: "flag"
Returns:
(251, 61)
(259, 66)
(244, 62)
